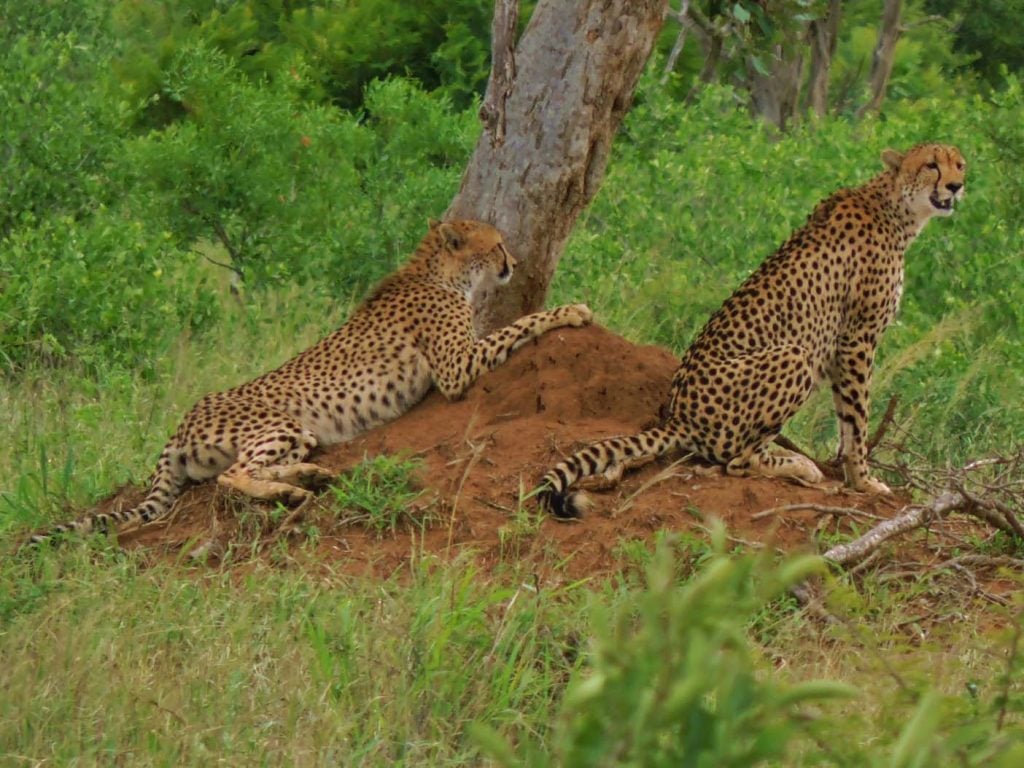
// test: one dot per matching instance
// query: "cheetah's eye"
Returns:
(933, 165)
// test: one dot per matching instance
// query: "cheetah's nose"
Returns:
(954, 187)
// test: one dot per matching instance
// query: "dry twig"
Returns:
(821, 509)
(989, 490)
(914, 517)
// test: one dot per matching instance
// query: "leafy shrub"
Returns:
(294, 191)
(100, 227)
(106, 291)
(672, 678)
(58, 134)
(342, 46)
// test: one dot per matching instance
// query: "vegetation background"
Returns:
(195, 190)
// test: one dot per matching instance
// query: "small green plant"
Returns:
(380, 493)
(673, 679)
(523, 525)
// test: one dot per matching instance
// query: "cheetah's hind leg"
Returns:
(272, 461)
(786, 464)
(302, 473)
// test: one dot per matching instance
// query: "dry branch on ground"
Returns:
(990, 490)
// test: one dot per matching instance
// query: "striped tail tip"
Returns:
(562, 505)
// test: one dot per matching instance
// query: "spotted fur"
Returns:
(816, 308)
(413, 332)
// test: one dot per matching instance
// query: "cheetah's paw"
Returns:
(295, 496)
(578, 315)
(871, 485)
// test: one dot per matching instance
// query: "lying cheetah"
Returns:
(817, 307)
(415, 330)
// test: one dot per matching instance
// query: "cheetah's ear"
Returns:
(892, 158)
(433, 224)
(450, 236)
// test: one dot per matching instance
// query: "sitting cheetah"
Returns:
(415, 329)
(815, 308)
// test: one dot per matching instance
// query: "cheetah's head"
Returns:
(929, 177)
(474, 255)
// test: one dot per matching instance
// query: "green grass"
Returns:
(380, 493)
(106, 662)
(109, 662)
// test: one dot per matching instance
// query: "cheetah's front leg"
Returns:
(455, 372)
(851, 383)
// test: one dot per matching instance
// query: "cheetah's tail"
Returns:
(168, 481)
(554, 494)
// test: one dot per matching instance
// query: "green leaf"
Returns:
(816, 690)
(914, 743)
(492, 744)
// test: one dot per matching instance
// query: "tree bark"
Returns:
(823, 35)
(573, 76)
(503, 68)
(882, 59)
(776, 95)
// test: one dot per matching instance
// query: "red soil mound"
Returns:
(554, 395)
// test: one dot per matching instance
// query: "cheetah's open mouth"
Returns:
(943, 205)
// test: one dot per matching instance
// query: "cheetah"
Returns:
(817, 307)
(414, 331)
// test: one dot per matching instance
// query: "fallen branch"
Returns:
(915, 517)
(821, 509)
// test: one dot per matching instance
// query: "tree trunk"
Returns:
(776, 95)
(823, 35)
(713, 44)
(882, 59)
(548, 131)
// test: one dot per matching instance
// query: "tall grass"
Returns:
(107, 662)
(72, 434)
(118, 664)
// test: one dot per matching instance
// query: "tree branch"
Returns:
(677, 47)
(915, 517)
(883, 425)
(503, 69)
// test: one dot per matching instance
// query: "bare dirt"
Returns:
(553, 396)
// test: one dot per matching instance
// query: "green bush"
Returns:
(100, 228)
(59, 132)
(341, 46)
(672, 678)
(296, 191)
(107, 291)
